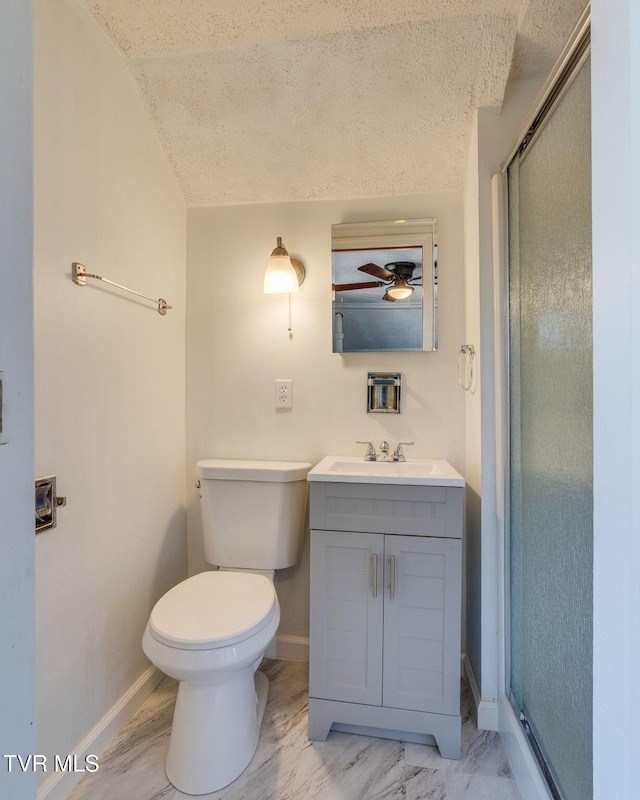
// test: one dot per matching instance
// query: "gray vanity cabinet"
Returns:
(386, 612)
(346, 617)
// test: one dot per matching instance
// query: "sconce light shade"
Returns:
(284, 275)
(400, 291)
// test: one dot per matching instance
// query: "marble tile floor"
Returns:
(287, 766)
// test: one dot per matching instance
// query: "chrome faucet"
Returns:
(370, 455)
(398, 454)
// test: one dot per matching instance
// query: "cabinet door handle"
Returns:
(392, 581)
(375, 574)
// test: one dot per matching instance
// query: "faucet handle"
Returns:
(398, 455)
(370, 455)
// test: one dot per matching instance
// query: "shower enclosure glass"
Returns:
(551, 500)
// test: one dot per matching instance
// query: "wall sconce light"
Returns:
(284, 274)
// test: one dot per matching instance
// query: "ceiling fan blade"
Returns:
(345, 287)
(387, 296)
(378, 271)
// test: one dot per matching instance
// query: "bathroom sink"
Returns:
(416, 472)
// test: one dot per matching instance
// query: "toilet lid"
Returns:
(213, 609)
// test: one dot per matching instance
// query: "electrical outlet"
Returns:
(284, 393)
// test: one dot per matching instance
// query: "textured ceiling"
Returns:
(267, 100)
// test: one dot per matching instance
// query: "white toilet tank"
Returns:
(253, 512)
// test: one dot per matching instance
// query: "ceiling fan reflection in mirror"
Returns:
(396, 275)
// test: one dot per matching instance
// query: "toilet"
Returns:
(210, 632)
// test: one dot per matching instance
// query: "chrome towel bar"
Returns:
(79, 275)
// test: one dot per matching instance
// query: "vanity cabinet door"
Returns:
(346, 616)
(422, 624)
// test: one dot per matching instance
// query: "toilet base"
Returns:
(215, 731)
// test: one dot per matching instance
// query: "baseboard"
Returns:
(59, 785)
(487, 716)
(294, 647)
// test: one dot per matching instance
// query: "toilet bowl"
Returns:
(210, 633)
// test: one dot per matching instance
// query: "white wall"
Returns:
(17, 656)
(473, 539)
(616, 352)
(237, 344)
(109, 375)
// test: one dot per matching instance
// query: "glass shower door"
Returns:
(551, 501)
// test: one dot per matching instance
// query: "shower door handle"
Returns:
(375, 575)
(392, 577)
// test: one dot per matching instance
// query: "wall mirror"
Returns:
(385, 286)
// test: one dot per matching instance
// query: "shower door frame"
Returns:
(526, 768)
